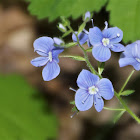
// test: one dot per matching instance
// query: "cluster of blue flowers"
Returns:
(92, 89)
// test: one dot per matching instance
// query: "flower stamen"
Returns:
(50, 56)
(105, 41)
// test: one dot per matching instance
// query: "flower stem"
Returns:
(114, 109)
(85, 54)
(127, 108)
(126, 82)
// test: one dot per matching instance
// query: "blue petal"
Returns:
(86, 79)
(98, 102)
(112, 34)
(101, 53)
(50, 71)
(136, 66)
(125, 61)
(87, 15)
(89, 44)
(136, 50)
(58, 41)
(39, 61)
(55, 54)
(81, 36)
(43, 45)
(105, 89)
(95, 36)
(117, 47)
(83, 100)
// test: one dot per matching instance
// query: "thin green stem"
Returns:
(126, 82)
(127, 108)
(85, 54)
(114, 109)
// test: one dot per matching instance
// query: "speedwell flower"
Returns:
(104, 41)
(44, 46)
(91, 90)
(131, 56)
(83, 37)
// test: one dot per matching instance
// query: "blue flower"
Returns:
(44, 46)
(104, 41)
(131, 56)
(87, 16)
(91, 90)
(83, 37)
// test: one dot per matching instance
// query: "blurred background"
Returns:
(31, 109)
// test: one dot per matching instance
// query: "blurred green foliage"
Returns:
(21, 114)
(123, 13)
(56, 8)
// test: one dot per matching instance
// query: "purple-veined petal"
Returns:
(39, 61)
(43, 45)
(55, 54)
(83, 100)
(129, 61)
(117, 47)
(86, 79)
(114, 34)
(98, 102)
(105, 88)
(95, 36)
(136, 51)
(50, 71)
(101, 53)
(125, 61)
(81, 36)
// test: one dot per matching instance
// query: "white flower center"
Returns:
(50, 56)
(105, 41)
(138, 59)
(93, 90)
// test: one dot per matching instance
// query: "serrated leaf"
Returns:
(78, 58)
(127, 92)
(56, 8)
(125, 15)
(22, 116)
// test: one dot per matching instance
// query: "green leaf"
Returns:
(125, 15)
(56, 8)
(71, 44)
(78, 58)
(127, 92)
(101, 67)
(23, 115)
(118, 116)
(82, 26)
(66, 33)
(89, 50)
(72, 102)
